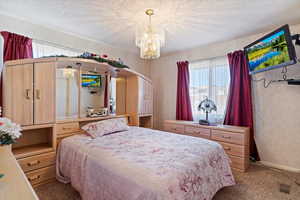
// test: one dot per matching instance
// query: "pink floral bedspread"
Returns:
(143, 164)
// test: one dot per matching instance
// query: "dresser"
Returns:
(234, 139)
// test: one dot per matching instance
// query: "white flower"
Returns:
(10, 128)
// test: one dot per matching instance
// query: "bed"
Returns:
(143, 164)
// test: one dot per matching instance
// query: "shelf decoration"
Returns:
(104, 59)
(118, 63)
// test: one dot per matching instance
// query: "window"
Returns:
(209, 78)
(41, 49)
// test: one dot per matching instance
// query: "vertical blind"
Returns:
(41, 49)
(209, 78)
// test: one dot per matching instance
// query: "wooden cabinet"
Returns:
(29, 93)
(234, 140)
(139, 101)
(18, 93)
(44, 93)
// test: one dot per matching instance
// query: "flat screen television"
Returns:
(90, 80)
(272, 51)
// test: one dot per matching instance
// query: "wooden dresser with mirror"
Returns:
(50, 98)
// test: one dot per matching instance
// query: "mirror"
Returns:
(92, 93)
(67, 91)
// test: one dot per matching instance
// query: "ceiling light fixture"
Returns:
(150, 39)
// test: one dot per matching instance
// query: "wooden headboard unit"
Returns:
(32, 95)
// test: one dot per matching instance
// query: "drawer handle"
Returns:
(226, 137)
(66, 129)
(33, 163)
(27, 94)
(34, 178)
(227, 148)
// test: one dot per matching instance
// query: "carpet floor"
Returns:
(259, 183)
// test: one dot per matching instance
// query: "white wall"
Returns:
(276, 109)
(55, 36)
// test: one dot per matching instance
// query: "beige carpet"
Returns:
(259, 183)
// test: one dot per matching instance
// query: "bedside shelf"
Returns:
(23, 152)
(35, 140)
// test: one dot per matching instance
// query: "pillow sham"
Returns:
(100, 128)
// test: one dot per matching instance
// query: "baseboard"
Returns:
(281, 167)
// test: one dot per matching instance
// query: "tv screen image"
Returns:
(90, 80)
(272, 51)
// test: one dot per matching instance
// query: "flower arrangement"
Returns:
(9, 131)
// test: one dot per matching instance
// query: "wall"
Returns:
(276, 109)
(55, 36)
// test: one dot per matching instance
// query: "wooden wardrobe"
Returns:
(30, 92)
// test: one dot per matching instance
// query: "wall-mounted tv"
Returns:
(90, 80)
(271, 51)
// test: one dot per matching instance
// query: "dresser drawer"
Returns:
(196, 131)
(41, 175)
(175, 128)
(238, 163)
(37, 162)
(233, 149)
(67, 128)
(230, 137)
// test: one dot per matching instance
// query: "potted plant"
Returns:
(9, 133)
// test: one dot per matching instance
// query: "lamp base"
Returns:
(204, 122)
(207, 123)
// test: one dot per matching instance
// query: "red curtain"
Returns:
(183, 104)
(239, 108)
(15, 47)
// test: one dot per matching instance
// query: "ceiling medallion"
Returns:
(150, 39)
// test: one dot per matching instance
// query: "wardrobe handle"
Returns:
(38, 94)
(27, 94)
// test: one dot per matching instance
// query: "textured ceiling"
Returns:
(188, 23)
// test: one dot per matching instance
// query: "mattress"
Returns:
(143, 164)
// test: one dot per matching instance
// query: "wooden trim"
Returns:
(239, 129)
(86, 119)
(32, 127)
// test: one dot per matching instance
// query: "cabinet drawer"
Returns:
(230, 137)
(238, 163)
(67, 128)
(37, 162)
(174, 128)
(41, 175)
(196, 131)
(233, 149)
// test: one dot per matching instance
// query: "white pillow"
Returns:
(100, 128)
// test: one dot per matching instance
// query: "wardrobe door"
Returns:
(18, 93)
(44, 93)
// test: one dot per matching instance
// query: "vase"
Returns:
(5, 147)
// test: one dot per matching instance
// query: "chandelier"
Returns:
(150, 39)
